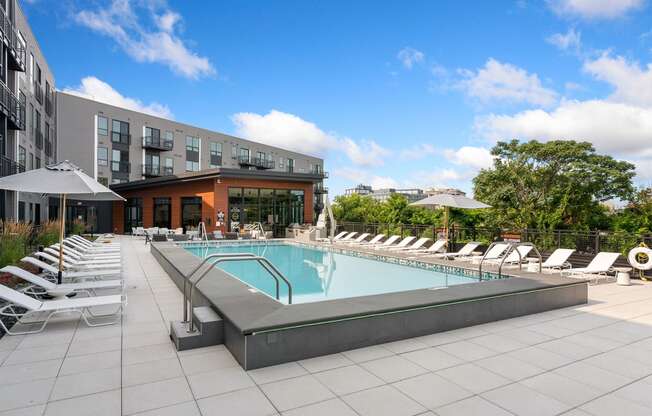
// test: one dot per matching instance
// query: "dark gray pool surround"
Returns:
(260, 331)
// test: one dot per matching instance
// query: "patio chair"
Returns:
(435, 247)
(558, 260)
(597, 269)
(50, 308)
(356, 240)
(403, 243)
(371, 242)
(81, 262)
(514, 257)
(84, 256)
(75, 266)
(387, 243)
(417, 245)
(465, 251)
(85, 242)
(494, 253)
(160, 238)
(58, 290)
(348, 237)
(70, 275)
(90, 250)
(179, 237)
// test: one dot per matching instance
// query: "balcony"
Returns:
(151, 170)
(157, 143)
(48, 148)
(319, 172)
(10, 167)
(120, 167)
(38, 92)
(12, 108)
(122, 138)
(17, 55)
(321, 189)
(255, 162)
(38, 139)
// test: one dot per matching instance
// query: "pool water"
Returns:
(318, 275)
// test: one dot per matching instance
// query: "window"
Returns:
(216, 155)
(21, 211)
(133, 214)
(120, 132)
(169, 166)
(31, 119)
(30, 166)
(31, 72)
(103, 180)
(244, 154)
(234, 151)
(280, 162)
(102, 126)
(37, 121)
(21, 156)
(290, 165)
(102, 156)
(115, 181)
(37, 163)
(119, 161)
(260, 156)
(152, 135)
(152, 164)
(192, 153)
(162, 213)
(169, 135)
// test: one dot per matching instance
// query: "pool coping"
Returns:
(254, 312)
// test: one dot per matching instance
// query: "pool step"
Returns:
(209, 330)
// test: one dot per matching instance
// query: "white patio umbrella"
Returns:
(447, 201)
(63, 179)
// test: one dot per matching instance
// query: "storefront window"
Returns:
(162, 217)
(190, 212)
(274, 208)
(133, 213)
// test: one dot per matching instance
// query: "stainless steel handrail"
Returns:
(484, 256)
(266, 264)
(512, 247)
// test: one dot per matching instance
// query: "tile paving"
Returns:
(590, 360)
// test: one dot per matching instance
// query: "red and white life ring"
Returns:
(633, 253)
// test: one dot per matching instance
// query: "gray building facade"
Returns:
(116, 146)
(27, 112)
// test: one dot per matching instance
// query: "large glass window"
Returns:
(133, 213)
(169, 166)
(190, 211)
(162, 213)
(274, 208)
(244, 154)
(102, 156)
(192, 154)
(102, 126)
(152, 164)
(216, 155)
(120, 132)
(22, 156)
(290, 165)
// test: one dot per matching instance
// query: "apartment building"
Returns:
(129, 151)
(27, 112)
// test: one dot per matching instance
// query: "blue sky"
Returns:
(390, 93)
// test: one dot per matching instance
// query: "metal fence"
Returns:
(588, 242)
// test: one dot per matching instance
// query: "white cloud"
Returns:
(409, 57)
(594, 9)
(294, 133)
(615, 128)
(498, 81)
(632, 84)
(161, 44)
(472, 157)
(418, 151)
(367, 178)
(570, 40)
(98, 90)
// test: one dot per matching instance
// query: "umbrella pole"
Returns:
(61, 235)
(446, 213)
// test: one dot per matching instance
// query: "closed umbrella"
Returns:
(447, 201)
(63, 179)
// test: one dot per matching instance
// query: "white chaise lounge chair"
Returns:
(403, 243)
(50, 308)
(371, 242)
(90, 250)
(97, 243)
(494, 253)
(59, 290)
(597, 269)
(514, 257)
(435, 247)
(466, 251)
(356, 240)
(81, 256)
(348, 237)
(558, 260)
(75, 266)
(81, 262)
(71, 275)
(417, 245)
(387, 243)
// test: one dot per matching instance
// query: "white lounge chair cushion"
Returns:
(78, 303)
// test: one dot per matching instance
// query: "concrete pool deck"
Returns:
(593, 359)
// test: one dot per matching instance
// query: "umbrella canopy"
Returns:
(449, 200)
(64, 179)
(61, 178)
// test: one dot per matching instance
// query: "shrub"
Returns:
(78, 227)
(48, 233)
(14, 239)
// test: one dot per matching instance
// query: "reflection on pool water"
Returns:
(318, 275)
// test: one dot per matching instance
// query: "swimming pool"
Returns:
(318, 274)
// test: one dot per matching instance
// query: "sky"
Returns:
(389, 93)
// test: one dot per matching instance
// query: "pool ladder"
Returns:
(511, 247)
(188, 304)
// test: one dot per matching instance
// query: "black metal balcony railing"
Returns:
(319, 172)
(10, 167)
(257, 162)
(167, 170)
(158, 143)
(13, 108)
(17, 55)
(151, 170)
(38, 139)
(320, 189)
(122, 167)
(38, 92)
(122, 138)
(48, 148)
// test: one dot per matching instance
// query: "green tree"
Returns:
(636, 217)
(548, 185)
